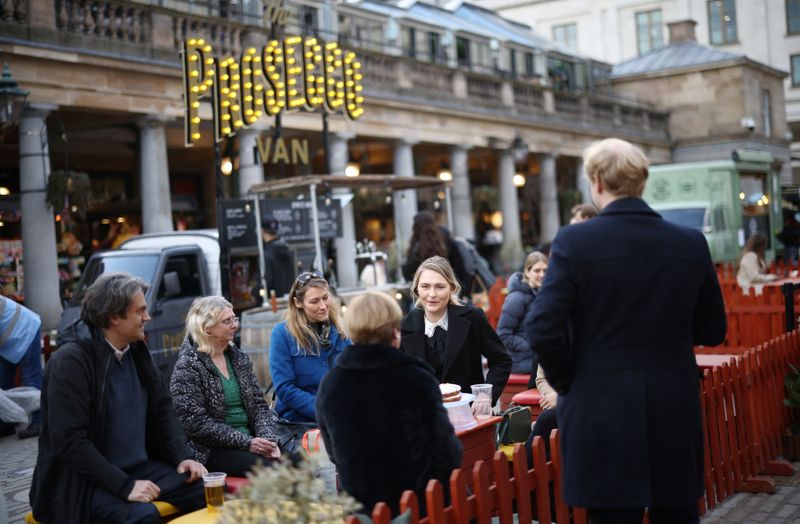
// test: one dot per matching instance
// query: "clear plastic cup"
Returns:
(482, 403)
(214, 484)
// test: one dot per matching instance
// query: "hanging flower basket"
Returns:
(68, 190)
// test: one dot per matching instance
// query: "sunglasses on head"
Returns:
(308, 276)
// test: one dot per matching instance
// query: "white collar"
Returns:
(430, 327)
(119, 353)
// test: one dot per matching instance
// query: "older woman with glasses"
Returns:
(304, 347)
(216, 393)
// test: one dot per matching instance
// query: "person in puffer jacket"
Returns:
(522, 289)
(217, 396)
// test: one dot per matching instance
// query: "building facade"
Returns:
(446, 88)
(766, 32)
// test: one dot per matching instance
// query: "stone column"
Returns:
(346, 268)
(156, 196)
(251, 170)
(582, 183)
(461, 194)
(40, 260)
(548, 205)
(405, 202)
(511, 251)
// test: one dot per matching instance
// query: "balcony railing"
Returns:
(154, 29)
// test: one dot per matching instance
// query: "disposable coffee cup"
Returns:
(214, 484)
(482, 403)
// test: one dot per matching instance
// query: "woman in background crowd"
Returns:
(380, 411)
(429, 239)
(304, 347)
(582, 213)
(449, 336)
(752, 266)
(522, 290)
(217, 396)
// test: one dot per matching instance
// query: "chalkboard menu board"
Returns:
(294, 218)
(239, 223)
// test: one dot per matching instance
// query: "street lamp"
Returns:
(12, 98)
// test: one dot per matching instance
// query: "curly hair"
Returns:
(426, 238)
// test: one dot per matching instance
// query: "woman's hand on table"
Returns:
(264, 447)
(549, 400)
(482, 404)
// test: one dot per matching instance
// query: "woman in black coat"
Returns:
(522, 290)
(449, 336)
(217, 396)
(380, 411)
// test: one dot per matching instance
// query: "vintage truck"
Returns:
(178, 266)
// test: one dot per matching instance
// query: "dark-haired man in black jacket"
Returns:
(110, 443)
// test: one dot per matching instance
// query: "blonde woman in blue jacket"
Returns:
(304, 347)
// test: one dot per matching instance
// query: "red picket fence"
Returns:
(744, 420)
(752, 318)
(515, 489)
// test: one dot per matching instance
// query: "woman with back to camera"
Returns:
(217, 396)
(449, 336)
(429, 239)
(522, 290)
(380, 411)
(752, 266)
(304, 347)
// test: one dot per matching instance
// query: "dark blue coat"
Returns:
(384, 426)
(637, 292)
(511, 325)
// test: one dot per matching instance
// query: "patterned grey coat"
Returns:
(200, 401)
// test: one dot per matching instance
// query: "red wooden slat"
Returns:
(554, 474)
(480, 486)
(714, 438)
(458, 496)
(503, 488)
(523, 488)
(707, 467)
(739, 384)
(735, 468)
(434, 499)
(381, 514)
(543, 486)
(409, 502)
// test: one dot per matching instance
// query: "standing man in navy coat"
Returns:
(634, 293)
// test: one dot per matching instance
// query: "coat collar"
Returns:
(628, 205)
(413, 329)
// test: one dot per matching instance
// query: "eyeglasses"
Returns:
(228, 322)
(308, 276)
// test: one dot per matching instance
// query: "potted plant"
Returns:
(791, 439)
(288, 492)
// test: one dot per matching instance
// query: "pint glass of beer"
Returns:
(214, 484)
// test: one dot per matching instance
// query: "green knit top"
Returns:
(235, 415)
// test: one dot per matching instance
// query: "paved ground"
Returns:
(17, 458)
(16, 472)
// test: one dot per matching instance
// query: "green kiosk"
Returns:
(728, 200)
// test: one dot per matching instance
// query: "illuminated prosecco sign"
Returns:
(293, 74)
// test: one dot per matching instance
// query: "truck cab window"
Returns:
(181, 278)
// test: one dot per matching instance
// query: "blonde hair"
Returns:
(533, 258)
(621, 167)
(204, 313)
(442, 266)
(297, 323)
(372, 318)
